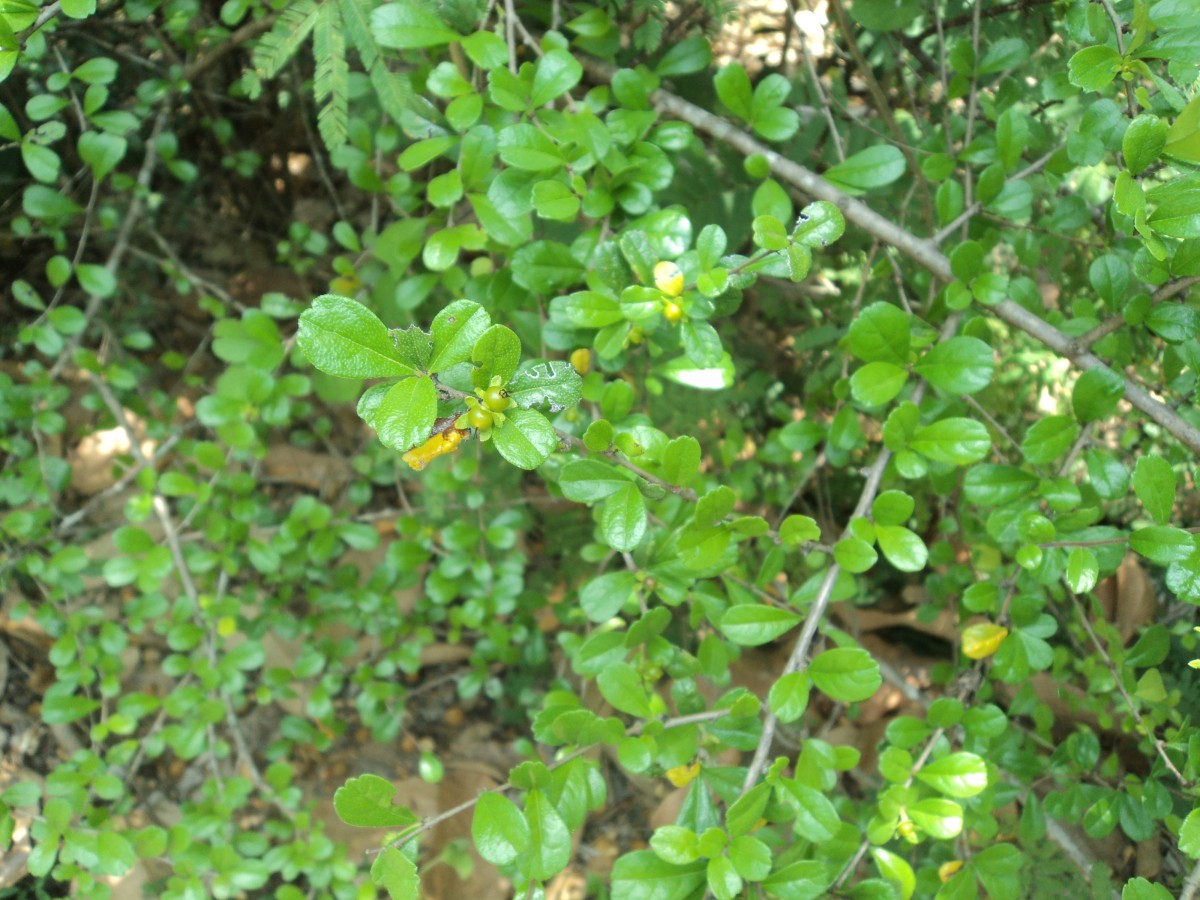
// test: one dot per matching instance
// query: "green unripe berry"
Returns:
(756, 166)
(479, 418)
(496, 399)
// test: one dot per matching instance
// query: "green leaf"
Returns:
(681, 460)
(498, 829)
(622, 686)
(854, 555)
(874, 167)
(1049, 439)
(495, 355)
(957, 441)
(549, 840)
(752, 624)
(397, 874)
(555, 200)
(62, 709)
(586, 309)
(701, 343)
(342, 337)
(1144, 140)
(623, 518)
(880, 333)
(102, 152)
(895, 868)
(546, 266)
(407, 26)
(1189, 834)
(939, 818)
(819, 224)
(788, 698)
(1154, 484)
(816, 818)
(540, 383)
(796, 530)
(903, 548)
(1176, 209)
(1083, 570)
(366, 801)
(733, 88)
(690, 55)
(526, 439)
(960, 365)
(1162, 543)
(603, 596)
(557, 72)
(996, 485)
(957, 775)
(846, 673)
(1096, 394)
(1093, 68)
(892, 508)
(675, 844)
(455, 330)
(641, 875)
(589, 480)
(405, 416)
(723, 880)
(877, 383)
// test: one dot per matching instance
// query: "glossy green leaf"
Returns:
(641, 875)
(622, 686)
(540, 383)
(788, 697)
(960, 365)
(957, 441)
(854, 555)
(1162, 543)
(589, 480)
(342, 337)
(623, 518)
(799, 529)
(397, 874)
(1093, 68)
(880, 333)
(1096, 394)
(405, 414)
(1083, 570)
(752, 624)
(848, 674)
(816, 818)
(940, 818)
(455, 330)
(368, 802)
(957, 775)
(526, 439)
(405, 26)
(877, 383)
(903, 548)
(1154, 484)
(557, 72)
(874, 167)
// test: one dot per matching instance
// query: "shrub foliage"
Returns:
(813, 442)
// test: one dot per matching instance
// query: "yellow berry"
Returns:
(581, 359)
(668, 279)
(672, 313)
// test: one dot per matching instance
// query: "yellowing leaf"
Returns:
(438, 445)
(682, 776)
(948, 870)
(981, 641)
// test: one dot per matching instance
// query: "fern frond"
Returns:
(393, 90)
(356, 17)
(280, 44)
(331, 82)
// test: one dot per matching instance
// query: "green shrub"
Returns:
(951, 374)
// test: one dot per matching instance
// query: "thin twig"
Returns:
(1159, 746)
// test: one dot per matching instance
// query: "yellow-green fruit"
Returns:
(672, 313)
(757, 166)
(479, 418)
(668, 279)
(496, 399)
